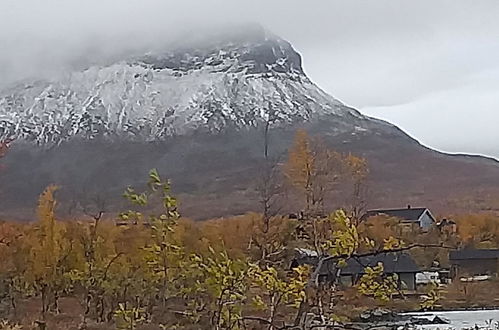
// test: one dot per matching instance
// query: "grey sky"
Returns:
(431, 66)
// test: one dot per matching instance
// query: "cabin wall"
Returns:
(475, 267)
(426, 220)
(407, 281)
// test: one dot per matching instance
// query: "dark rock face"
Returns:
(257, 55)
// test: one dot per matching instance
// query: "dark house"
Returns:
(474, 262)
(419, 217)
(401, 264)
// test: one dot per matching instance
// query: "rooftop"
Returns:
(474, 254)
(392, 263)
(408, 214)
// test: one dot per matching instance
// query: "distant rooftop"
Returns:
(408, 214)
(474, 254)
(392, 263)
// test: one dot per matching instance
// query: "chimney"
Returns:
(409, 206)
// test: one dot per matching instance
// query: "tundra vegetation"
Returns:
(149, 268)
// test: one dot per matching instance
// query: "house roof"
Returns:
(446, 222)
(467, 254)
(408, 214)
(392, 263)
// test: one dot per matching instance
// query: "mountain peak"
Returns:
(242, 78)
(250, 47)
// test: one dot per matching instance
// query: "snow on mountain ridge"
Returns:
(237, 84)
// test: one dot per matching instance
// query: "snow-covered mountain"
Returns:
(237, 81)
(198, 114)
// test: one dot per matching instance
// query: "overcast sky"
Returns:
(431, 67)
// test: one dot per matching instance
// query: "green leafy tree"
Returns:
(162, 253)
(275, 290)
(431, 299)
(217, 291)
(129, 318)
(377, 284)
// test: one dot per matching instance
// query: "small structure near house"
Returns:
(418, 217)
(426, 278)
(474, 262)
(447, 226)
(401, 264)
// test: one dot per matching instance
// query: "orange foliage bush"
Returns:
(479, 230)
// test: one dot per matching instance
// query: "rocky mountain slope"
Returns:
(197, 113)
